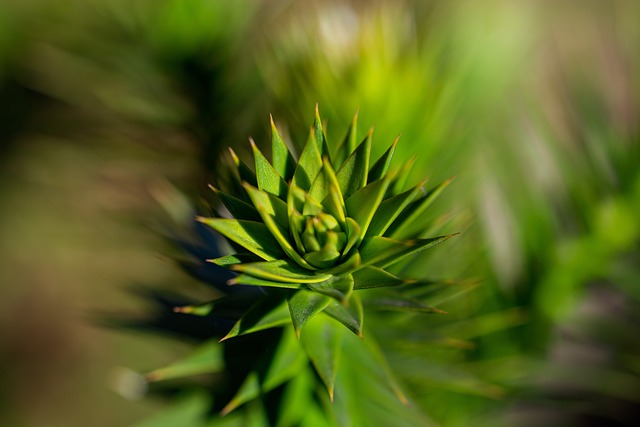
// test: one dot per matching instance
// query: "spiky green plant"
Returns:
(307, 234)
(318, 229)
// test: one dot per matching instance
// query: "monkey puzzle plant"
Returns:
(320, 229)
(309, 235)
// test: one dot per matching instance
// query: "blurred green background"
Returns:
(533, 106)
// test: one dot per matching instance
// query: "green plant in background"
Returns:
(312, 235)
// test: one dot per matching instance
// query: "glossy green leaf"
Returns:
(268, 178)
(285, 365)
(318, 134)
(311, 206)
(303, 305)
(363, 205)
(274, 214)
(375, 250)
(333, 203)
(309, 164)
(418, 245)
(399, 184)
(354, 233)
(244, 172)
(283, 161)
(245, 279)
(270, 312)
(282, 270)
(411, 220)
(383, 251)
(230, 306)
(321, 339)
(205, 359)
(381, 166)
(196, 309)
(295, 203)
(254, 236)
(320, 186)
(349, 142)
(351, 316)
(228, 260)
(337, 287)
(346, 265)
(323, 258)
(352, 175)
(239, 209)
(389, 210)
(374, 277)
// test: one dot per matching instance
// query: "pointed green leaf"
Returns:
(337, 287)
(244, 172)
(274, 214)
(352, 316)
(376, 250)
(309, 164)
(418, 245)
(196, 309)
(283, 161)
(318, 134)
(281, 270)
(245, 279)
(352, 175)
(254, 236)
(228, 260)
(354, 233)
(399, 184)
(347, 265)
(411, 219)
(389, 210)
(320, 187)
(383, 251)
(205, 359)
(381, 167)
(303, 305)
(296, 199)
(285, 365)
(295, 204)
(236, 207)
(321, 340)
(323, 258)
(311, 206)
(269, 312)
(363, 205)
(349, 142)
(374, 277)
(268, 178)
(230, 306)
(333, 203)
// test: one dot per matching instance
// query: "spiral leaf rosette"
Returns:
(315, 229)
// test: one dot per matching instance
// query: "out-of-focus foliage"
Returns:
(533, 106)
